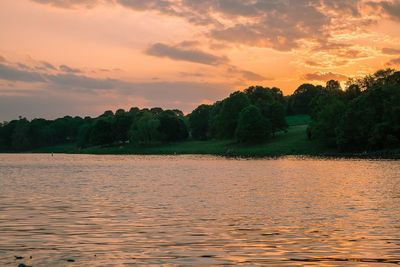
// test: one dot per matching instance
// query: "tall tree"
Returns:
(252, 126)
(199, 122)
(229, 115)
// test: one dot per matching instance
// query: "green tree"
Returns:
(324, 127)
(252, 126)
(83, 137)
(214, 119)
(271, 103)
(20, 136)
(229, 114)
(145, 130)
(299, 102)
(333, 86)
(172, 127)
(364, 117)
(101, 132)
(122, 122)
(199, 122)
(372, 120)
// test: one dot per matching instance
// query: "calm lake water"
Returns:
(198, 210)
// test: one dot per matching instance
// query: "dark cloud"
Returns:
(50, 105)
(66, 68)
(178, 53)
(23, 66)
(2, 59)
(58, 93)
(279, 24)
(189, 43)
(11, 73)
(343, 6)
(182, 91)
(391, 51)
(390, 8)
(59, 101)
(342, 51)
(325, 76)
(161, 5)
(23, 73)
(74, 81)
(226, 7)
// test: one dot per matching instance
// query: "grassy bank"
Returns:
(293, 142)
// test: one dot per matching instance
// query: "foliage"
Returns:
(271, 103)
(145, 130)
(199, 122)
(172, 126)
(252, 126)
(364, 116)
(229, 114)
(299, 102)
(101, 131)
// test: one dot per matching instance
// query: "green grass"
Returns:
(62, 148)
(293, 142)
(295, 120)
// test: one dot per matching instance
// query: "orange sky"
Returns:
(80, 57)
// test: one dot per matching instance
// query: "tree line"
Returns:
(365, 115)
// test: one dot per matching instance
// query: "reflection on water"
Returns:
(80, 210)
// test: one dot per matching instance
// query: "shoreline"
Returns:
(376, 155)
(292, 143)
(354, 156)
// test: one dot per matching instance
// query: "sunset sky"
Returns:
(81, 57)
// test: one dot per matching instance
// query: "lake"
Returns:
(87, 210)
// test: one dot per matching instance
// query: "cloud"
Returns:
(50, 105)
(23, 73)
(189, 43)
(313, 63)
(325, 76)
(74, 81)
(43, 65)
(161, 5)
(245, 74)
(53, 101)
(279, 24)
(184, 54)
(10, 73)
(343, 6)
(391, 51)
(394, 61)
(65, 68)
(23, 66)
(192, 74)
(2, 59)
(63, 90)
(390, 8)
(73, 3)
(343, 50)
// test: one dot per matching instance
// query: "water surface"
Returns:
(198, 210)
